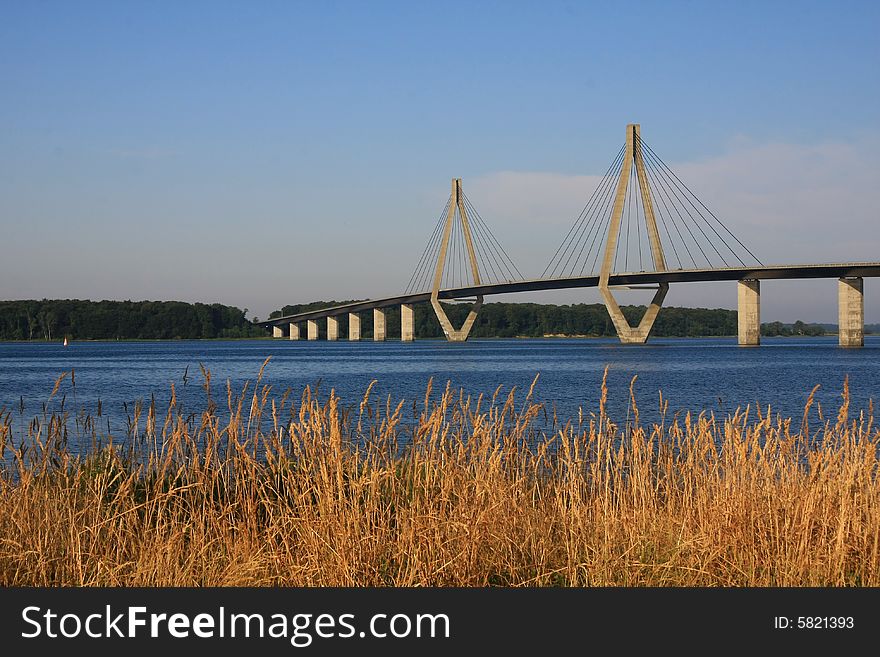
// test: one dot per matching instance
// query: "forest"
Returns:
(168, 320)
(122, 320)
(510, 320)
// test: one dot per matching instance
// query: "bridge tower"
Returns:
(632, 156)
(456, 203)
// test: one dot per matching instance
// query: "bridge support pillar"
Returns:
(851, 312)
(312, 325)
(277, 332)
(354, 326)
(294, 331)
(453, 335)
(748, 293)
(407, 323)
(332, 328)
(378, 325)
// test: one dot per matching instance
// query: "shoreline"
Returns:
(548, 336)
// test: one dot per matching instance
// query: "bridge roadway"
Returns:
(834, 270)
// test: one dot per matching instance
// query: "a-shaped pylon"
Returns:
(632, 156)
(456, 202)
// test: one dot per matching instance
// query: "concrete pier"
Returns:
(332, 328)
(749, 312)
(851, 312)
(354, 326)
(312, 329)
(378, 325)
(294, 331)
(407, 323)
(277, 332)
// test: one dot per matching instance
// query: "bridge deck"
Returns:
(834, 270)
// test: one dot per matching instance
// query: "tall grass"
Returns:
(284, 491)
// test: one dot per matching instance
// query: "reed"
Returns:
(267, 490)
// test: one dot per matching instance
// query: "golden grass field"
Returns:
(461, 495)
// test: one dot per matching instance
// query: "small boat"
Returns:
(65, 341)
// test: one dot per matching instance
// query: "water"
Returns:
(694, 374)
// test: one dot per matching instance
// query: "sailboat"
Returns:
(65, 341)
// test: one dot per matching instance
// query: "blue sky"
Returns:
(264, 153)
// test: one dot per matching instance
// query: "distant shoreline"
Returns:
(553, 336)
(148, 321)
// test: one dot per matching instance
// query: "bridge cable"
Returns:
(656, 230)
(582, 224)
(497, 247)
(491, 243)
(456, 240)
(450, 251)
(654, 195)
(688, 194)
(430, 269)
(417, 273)
(467, 271)
(485, 254)
(426, 277)
(720, 223)
(502, 270)
(663, 186)
(605, 228)
(699, 227)
(463, 256)
(630, 189)
(694, 221)
(641, 199)
(627, 202)
(506, 265)
(487, 269)
(582, 214)
(511, 271)
(665, 228)
(597, 213)
(617, 245)
(606, 213)
(640, 202)
(684, 199)
(620, 224)
(637, 201)
(602, 226)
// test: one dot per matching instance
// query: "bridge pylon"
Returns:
(456, 203)
(632, 156)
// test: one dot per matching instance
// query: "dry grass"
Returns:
(460, 497)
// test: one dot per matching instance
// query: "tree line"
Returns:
(166, 320)
(122, 320)
(510, 320)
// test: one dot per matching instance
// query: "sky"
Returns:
(259, 154)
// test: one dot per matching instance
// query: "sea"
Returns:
(108, 380)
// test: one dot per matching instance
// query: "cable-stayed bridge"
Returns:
(642, 228)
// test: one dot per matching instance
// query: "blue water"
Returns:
(694, 374)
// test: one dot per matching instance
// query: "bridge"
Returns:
(618, 226)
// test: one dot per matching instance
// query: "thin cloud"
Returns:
(788, 202)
